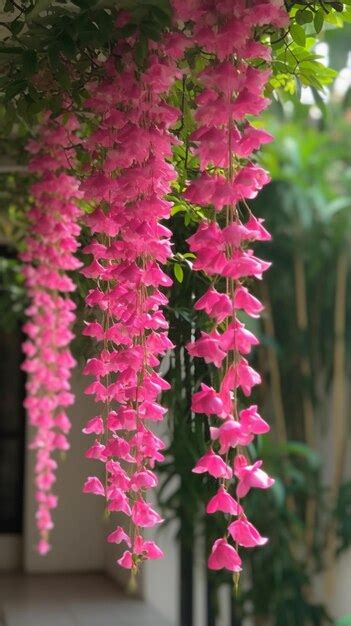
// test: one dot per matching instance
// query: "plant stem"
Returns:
(306, 373)
(339, 414)
(276, 387)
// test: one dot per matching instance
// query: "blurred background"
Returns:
(303, 576)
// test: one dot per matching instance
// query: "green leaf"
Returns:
(67, 45)
(37, 107)
(162, 5)
(298, 34)
(278, 492)
(141, 49)
(105, 23)
(14, 89)
(304, 16)
(177, 208)
(29, 62)
(16, 26)
(318, 20)
(54, 57)
(178, 272)
(34, 94)
(301, 449)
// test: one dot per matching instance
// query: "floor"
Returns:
(70, 600)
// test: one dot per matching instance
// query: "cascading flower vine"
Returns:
(131, 175)
(232, 86)
(49, 254)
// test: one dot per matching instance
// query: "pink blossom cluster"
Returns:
(232, 90)
(130, 150)
(49, 255)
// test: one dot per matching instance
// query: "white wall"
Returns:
(78, 538)
(10, 552)
(161, 577)
(340, 603)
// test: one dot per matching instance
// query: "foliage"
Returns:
(12, 292)
(50, 50)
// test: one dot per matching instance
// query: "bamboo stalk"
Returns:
(302, 325)
(339, 413)
(276, 386)
(306, 372)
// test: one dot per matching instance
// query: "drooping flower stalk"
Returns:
(49, 254)
(130, 177)
(232, 85)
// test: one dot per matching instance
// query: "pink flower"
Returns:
(118, 477)
(252, 140)
(117, 446)
(212, 147)
(208, 347)
(63, 422)
(229, 93)
(97, 451)
(217, 305)
(132, 141)
(144, 515)
(224, 556)
(50, 247)
(123, 419)
(238, 375)
(224, 502)
(152, 411)
(118, 501)
(235, 234)
(94, 425)
(244, 300)
(245, 534)
(250, 476)
(144, 479)
(43, 547)
(208, 235)
(230, 435)
(256, 49)
(247, 377)
(93, 485)
(213, 464)
(93, 329)
(252, 422)
(237, 337)
(119, 536)
(257, 229)
(244, 264)
(148, 549)
(132, 174)
(126, 560)
(44, 518)
(207, 401)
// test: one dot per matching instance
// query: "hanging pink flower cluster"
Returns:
(49, 254)
(232, 90)
(131, 174)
